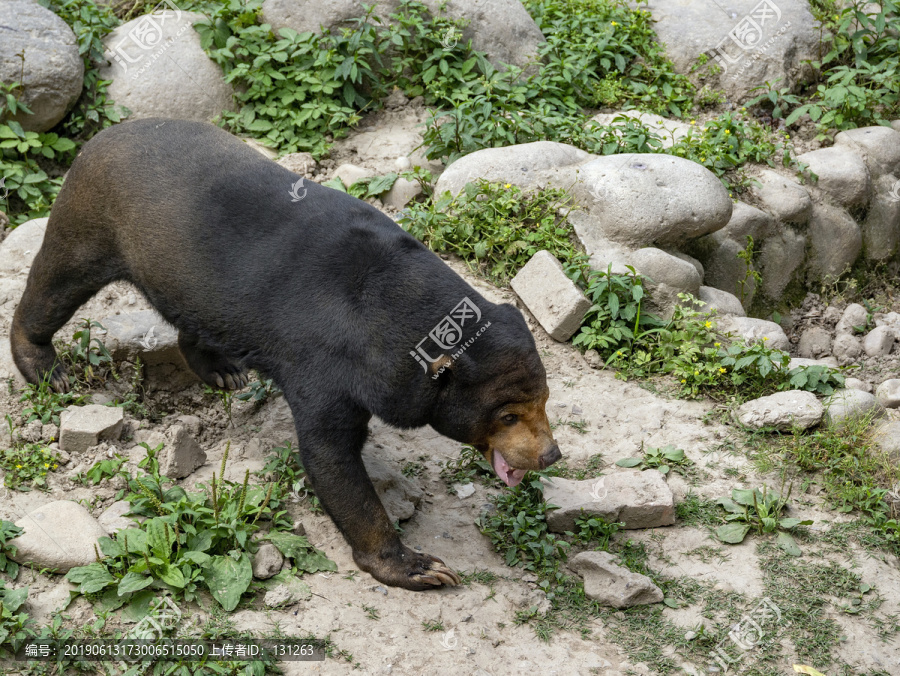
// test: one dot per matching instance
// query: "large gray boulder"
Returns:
(610, 584)
(781, 256)
(835, 241)
(159, 69)
(881, 227)
(502, 29)
(783, 197)
(60, 536)
(751, 41)
(53, 70)
(782, 410)
(841, 172)
(879, 147)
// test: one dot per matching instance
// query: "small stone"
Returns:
(300, 163)
(49, 433)
(84, 426)
(756, 331)
(782, 410)
(401, 193)
(854, 315)
(846, 405)
(192, 424)
(181, 454)
(555, 301)
(398, 494)
(113, 518)
(846, 348)
(857, 384)
(879, 341)
(888, 393)
(638, 499)
(592, 357)
(287, 594)
(613, 585)
(887, 438)
(267, 561)
(576, 409)
(814, 343)
(60, 536)
(32, 431)
(350, 174)
(721, 301)
(464, 491)
(402, 163)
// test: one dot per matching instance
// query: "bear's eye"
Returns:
(510, 418)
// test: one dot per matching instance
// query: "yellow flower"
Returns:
(46, 465)
(765, 337)
(708, 325)
(613, 23)
(18, 466)
(693, 121)
(507, 186)
(718, 344)
(696, 373)
(721, 369)
(727, 132)
(683, 380)
(703, 159)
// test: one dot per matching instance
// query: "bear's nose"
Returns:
(550, 457)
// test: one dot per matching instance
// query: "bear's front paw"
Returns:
(408, 569)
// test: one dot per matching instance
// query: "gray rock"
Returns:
(60, 535)
(756, 330)
(722, 302)
(555, 301)
(879, 146)
(49, 433)
(613, 585)
(638, 499)
(747, 221)
(846, 348)
(267, 561)
(300, 163)
(53, 69)
(401, 193)
(647, 200)
(780, 257)
(502, 29)
(782, 410)
(158, 69)
(881, 227)
(752, 44)
(21, 246)
(698, 266)
(842, 174)
(846, 405)
(887, 438)
(725, 271)
(592, 357)
(84, 426)
(523, 165)
(43, 606)
(857, 384)
(398, 494)
(879, 341)
(141, 334)
(891, 319)
(835, 241)
(191, 423)
(181, 454)
(814, 343)
(854, 315)
(888, 393)
(32, 432)
(796, 362)
(287, 594)
(113, 518)
(350, 174)
(668, 276)
(783, 197)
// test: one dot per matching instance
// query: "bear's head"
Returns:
(493, 396)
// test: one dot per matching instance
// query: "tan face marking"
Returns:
(523, 442)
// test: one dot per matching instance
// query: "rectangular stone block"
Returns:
(555, 301)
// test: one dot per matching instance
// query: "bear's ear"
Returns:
(440, 365)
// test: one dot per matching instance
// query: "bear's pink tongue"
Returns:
(511, 477)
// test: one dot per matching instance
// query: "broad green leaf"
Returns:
(629, 462)
(91, 578)
(172, 575)
(110, 547)
(133, 582)
(200, 558)
(732, 533)
(730, 505)
(788, 524)
(381, 184)
(743, 496)
(788, 544)
(227, 579)
(314, 561)
(13, 598)
(136, 539)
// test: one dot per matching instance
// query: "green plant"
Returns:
(27, 466)
(495, 228)
(752, 279)
(469, 467)
(594, 531)
(432, 625)
(8, 531)
(14, 626)
(191, 541)
(44, 404)
(758, 510)
(283, 465)
(364, 188)
(259, 391)
(87, 353)
(662, 459)
(103, 469)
